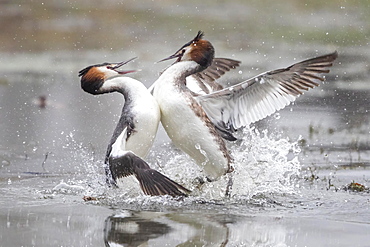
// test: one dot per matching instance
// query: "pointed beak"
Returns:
(170, 57)
(116, 66)
(127, 71)
(177, 55)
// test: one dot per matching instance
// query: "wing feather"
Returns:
(204, 82)
(151, 181)
(254, 99)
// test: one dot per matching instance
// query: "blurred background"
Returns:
(81, 25)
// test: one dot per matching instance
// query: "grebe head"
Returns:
(94, 76)
(198, 50)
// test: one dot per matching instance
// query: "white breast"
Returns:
(146, 115)
(187, 130)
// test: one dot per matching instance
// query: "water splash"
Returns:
(263, 164)
(198, 147)
(81, 174)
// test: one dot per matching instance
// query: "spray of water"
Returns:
(263, 164)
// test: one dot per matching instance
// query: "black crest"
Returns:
(196, 39)
(199, 36)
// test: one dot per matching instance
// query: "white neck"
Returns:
(181, 70)
(124, 85)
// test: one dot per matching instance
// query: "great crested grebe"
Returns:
(198, 124)
(136, 129)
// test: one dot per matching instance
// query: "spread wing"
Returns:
(151, 181)
(204, 82)
(124, 163)
(254, 99)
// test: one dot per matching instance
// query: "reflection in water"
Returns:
(132, 230)
(193, 229)
(173, 229)
(158, 229)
